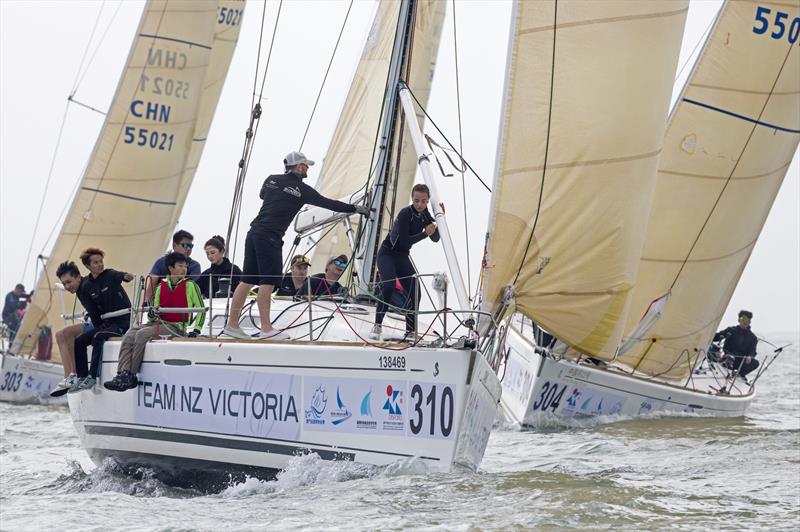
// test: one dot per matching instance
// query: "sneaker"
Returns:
(85, 384)
(114, 384)
(235, 332)
(67, 382)
(128, 381)
(376, 333)
(272, 335)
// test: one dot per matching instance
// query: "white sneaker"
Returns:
(67, 381)
(376, 333)
(272, 335)
(236, 332)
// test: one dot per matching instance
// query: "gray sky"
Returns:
(42, 43)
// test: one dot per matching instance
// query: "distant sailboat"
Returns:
(635, 339)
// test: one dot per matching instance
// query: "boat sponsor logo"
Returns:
(341, 413)
(393, 409)
(219, 400)
(645, 406)
(365, 420)
(572, 400)
(316, 408)
(294, 191)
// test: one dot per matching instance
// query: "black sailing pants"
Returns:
(392, 267)
(96, 338)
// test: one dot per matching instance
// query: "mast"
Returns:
(400, 54)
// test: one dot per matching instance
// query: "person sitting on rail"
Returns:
(326, 284)
(175, 291)
(71, 278)
(295, 278)
(739, 345)
(109, 307)
(222, 269)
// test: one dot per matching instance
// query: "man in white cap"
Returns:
(283, 196)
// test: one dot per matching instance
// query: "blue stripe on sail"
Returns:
(190, 43)
(741, 117)
(125, 196)
(200, 139)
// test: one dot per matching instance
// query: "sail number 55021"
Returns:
(148, 138)
(780, 24)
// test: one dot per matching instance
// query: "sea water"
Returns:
(687, 472)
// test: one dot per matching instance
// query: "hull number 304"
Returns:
(550, 397)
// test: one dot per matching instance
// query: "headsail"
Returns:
(148, 147)
(728, 146)
(587, 94)
(353, 149)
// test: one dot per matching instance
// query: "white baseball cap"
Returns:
(295, 158)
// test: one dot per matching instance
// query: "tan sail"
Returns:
(577, 160)
(352, 151)
(728, 146)
(131, 190)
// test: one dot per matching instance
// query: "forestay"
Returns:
(728, 146)
(587, 95)
(354, 147)
(148, 148)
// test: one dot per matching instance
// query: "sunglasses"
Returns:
(186, 245)
(340, 263)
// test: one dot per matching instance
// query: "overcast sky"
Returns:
(42, 43)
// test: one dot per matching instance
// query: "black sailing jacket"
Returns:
(738, 341)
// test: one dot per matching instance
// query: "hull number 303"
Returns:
(11, 381)
(392, 362)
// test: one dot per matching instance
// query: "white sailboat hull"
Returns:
(26, 380)
(537, 388)
(209, 411)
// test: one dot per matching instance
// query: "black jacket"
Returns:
(217, 272)
(320, 287)
(738, 341)
(284, 195)
(408, 229)
(286, 287)
(103, 294)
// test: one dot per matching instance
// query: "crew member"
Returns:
(109, 307)
(326, 284)
(175, 291)
(221, 268)
(16, 300)
(739, 345)
(183, 243)
(283, 196)
(70, 277)
(413, 224)
(296, 278)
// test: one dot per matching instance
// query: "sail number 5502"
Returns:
(149, 138)
(780, 25)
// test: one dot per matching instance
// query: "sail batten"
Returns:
(728, 146)
(586, 102)
(145, 156)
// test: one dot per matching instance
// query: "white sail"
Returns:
(354, 149)
(148, 147)
(728, 146)
(587, 96)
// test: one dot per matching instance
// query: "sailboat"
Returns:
(211, 409)
(138, 176)
(611, 323)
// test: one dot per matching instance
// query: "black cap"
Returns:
(746, 313)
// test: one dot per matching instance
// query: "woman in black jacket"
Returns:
(221, 268)
(412, 224)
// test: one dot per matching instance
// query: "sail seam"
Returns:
(742, 91)
(609, 20)
(722, 177)
(594, 162)
(173, 39)
(742, 117)
(126, 196)
(709, 259)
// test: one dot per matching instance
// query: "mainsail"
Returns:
(728, 146)
(354, 147)
(152, 138)
(587, 95)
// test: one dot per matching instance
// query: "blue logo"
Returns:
(646, 406)
(392, 404)
(585, 404)
(341, 413)
(573, 399)
(366, 407)
(317, 407)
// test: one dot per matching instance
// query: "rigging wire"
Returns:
(58, 144)
(547, 142)
(697, 45)
(325, 77)
(461, 147)
(79, 79)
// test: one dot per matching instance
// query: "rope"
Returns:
(697, 44)
(547, 142)
(325, 78)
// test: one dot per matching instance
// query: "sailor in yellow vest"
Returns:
(175, 291)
